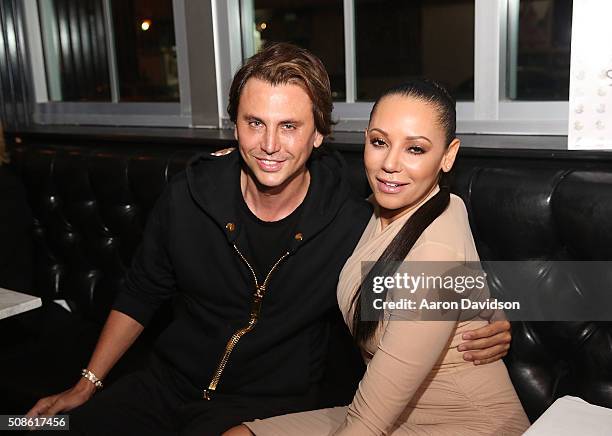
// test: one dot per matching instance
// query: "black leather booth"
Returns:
(90, 203)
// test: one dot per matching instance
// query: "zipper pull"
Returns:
(256, 303)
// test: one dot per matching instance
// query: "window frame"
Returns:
(207, 64)
(197, 106)
(491, 112)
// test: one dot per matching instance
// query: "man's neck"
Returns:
(274, 204)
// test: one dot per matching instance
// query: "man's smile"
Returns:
(269, 165)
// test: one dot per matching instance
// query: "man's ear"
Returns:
(318, 139)
(448, 160)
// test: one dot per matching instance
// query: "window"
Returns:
(145, 50)
(312, 24)
(123, 62)
(139, 42)
(395, 40)
(478, 48)
(540, 33)
(380, 60)
(170, 62)
(75, 49)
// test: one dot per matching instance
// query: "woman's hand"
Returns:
(487, 344)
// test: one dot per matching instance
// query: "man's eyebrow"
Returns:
(290, 122)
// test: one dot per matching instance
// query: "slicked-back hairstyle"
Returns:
(280, 64)
(428, 91)
(435, 94)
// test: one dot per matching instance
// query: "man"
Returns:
(250, 245)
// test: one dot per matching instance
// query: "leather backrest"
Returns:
(90, 205)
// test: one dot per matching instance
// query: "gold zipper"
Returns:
(260, 291)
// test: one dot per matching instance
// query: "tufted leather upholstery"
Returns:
(90, 208)
(547, 215)
(90, 205)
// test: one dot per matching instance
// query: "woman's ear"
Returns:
(448, 160)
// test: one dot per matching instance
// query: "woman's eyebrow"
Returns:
(380, 130)
(412, 138)
(409, 138)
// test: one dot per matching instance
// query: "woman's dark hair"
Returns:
(428, 91)
(433, 93)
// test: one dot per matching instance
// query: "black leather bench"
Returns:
(90, 203)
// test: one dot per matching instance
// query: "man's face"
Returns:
(276, 133)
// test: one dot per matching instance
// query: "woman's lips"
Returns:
(389, 187)
(269, 165)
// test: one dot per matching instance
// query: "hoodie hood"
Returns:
(212, 181)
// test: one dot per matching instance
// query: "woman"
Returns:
(416, 382)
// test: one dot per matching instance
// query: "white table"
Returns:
(13, 303)
(570, 416)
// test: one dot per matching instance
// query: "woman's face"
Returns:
(405, 149)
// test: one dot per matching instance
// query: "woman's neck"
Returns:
(388, 216)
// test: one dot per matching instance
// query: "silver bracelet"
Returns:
(92, 378)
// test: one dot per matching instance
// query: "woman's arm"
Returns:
(406, 354)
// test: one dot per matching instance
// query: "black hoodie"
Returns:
(187, 252)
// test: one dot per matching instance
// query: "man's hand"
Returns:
(486, 344)
(118, 334)
(64, 401)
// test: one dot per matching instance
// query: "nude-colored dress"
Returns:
(416, 382)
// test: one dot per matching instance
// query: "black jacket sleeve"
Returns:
(151, 279)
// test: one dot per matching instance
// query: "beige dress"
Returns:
(416, 382)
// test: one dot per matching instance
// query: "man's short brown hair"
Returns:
(281, 64)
